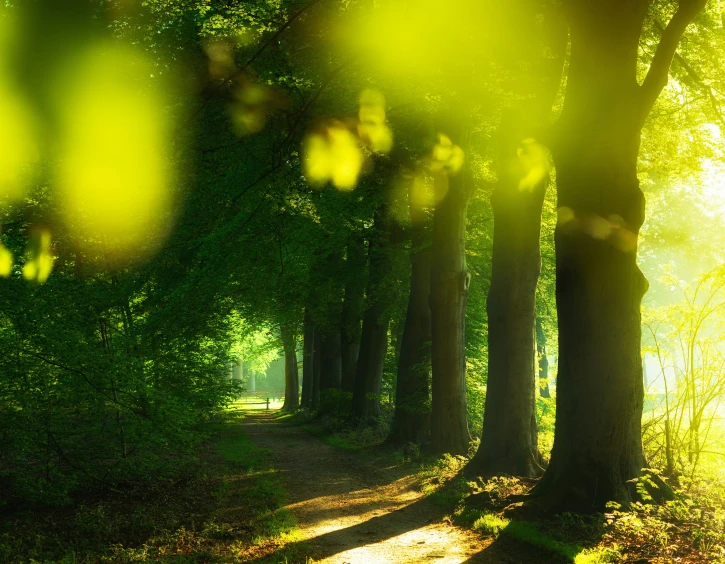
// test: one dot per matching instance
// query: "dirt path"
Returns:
(351, 511)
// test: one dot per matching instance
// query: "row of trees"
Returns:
(595, 144)
(358, 225)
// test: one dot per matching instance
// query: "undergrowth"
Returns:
(686, 529)
(229, 510)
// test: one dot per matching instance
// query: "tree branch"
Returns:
(697, 79)
(659, 69)
(240, 72)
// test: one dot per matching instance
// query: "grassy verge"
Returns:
(491, 524)
(335, 440)
(442, 481)
(684, 530)
(229, 509)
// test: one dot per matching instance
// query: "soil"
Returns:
(351, 509)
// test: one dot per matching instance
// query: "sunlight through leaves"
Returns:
(39, 258)
(114, 173)
(19, 150)
(532, 158)
(6, 261)
(372, 128)
(445, 156)
(333, 155)
(612, 229)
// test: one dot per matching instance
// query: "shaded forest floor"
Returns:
(273, 488)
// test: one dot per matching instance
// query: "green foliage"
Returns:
(494, 525)
(337, 428)
(92, 394)
(546, 420)
(442, 482)
(685, 338)
(231, 506)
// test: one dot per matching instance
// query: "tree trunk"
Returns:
(509, 439)
(331, 374)
(291, 377)
(374, 336)
(316, 370)
(449, 291)
(237, 370)
(350, 355)
(308, 348)
(599, 288)
(352, 311)
(368, 380)
(252, 381)
(543, 360)
(412, 396)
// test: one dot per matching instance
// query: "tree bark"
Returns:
(291, 377)
(411, 422)
(449, 291)
(308, 359)
(331, 373)
(350, 355)
(352, 311)
(374, 336)
(509, 439)
(599, 288)
(368, 379)
(316, 370)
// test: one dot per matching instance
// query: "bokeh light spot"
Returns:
(39, 258)
(333, 155)
(114, 172)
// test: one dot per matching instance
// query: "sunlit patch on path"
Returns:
(351, 510)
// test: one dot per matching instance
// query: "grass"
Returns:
(230, 508)
(442, 482)
(683, 530)
(529, 533)
(334, 440)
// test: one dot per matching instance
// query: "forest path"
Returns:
(353, 510)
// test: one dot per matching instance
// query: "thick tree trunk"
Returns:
(368, 380)
(352, 311)
(350, 355)
(331, 374)
(308, 359)
(598, 442)
(316, 370)
(509, 439)
(449, 291)
(599, 288)
(374, 336)
(412, 395)
(291, 378)
(543, 360)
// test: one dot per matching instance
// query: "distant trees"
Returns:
(291, 373)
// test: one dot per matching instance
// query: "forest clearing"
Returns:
(362, 281)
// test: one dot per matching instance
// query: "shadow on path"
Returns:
(351, 509)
